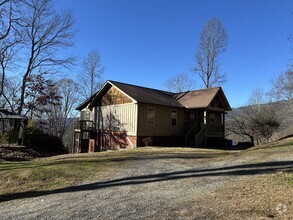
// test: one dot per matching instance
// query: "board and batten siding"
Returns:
(117, 118)
(162, 123)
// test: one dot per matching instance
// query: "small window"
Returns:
(151, 116)
(212, 118)
(173, 117)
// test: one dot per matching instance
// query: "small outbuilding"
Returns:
(12, 123)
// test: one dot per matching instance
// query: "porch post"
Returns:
(205, 117)
(205, 122)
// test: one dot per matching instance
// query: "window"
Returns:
(173, 117)
(151, 116)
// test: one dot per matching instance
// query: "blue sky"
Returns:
(144, 42)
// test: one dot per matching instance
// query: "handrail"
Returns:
(200, 136)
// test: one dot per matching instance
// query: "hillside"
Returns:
(285, 115)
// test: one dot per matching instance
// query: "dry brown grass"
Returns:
(259, 197)
(264, 196)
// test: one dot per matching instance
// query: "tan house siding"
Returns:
(117, 118)
(162, 125)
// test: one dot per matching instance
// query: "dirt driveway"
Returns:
(164, 187)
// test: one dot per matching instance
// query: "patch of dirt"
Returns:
(18, 153)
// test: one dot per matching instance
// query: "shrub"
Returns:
(3, 138)
(35, 138)
(8, 137)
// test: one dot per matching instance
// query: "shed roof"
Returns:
(5, 114)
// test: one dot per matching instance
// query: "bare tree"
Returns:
(10, 39)
(47, 35)
(179, 83)
(60, 116)
(5, 18)
(213, 42)
(10, 98)
(90, 78)
(282, 86)
(257, 121)
(7, 54)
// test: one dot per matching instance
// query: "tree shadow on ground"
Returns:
(238, 170)
(98, 160)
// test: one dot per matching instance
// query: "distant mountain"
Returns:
(285, 114)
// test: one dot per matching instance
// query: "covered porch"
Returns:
(203, 124)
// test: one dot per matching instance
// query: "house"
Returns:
(121, 115)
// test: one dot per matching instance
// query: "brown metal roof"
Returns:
(191, 99)
(147, 95)
(198, 98)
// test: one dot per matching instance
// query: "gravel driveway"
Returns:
(149, 188)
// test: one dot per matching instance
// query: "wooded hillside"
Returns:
(284, 110)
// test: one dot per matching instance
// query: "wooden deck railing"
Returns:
(84, 125)
(215, 130)
(194, 138)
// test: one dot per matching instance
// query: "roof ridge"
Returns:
(174, 93)
(195, 90)
(171, 93)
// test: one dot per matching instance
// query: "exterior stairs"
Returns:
(195, 139)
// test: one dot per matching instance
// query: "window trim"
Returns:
(171, 117)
